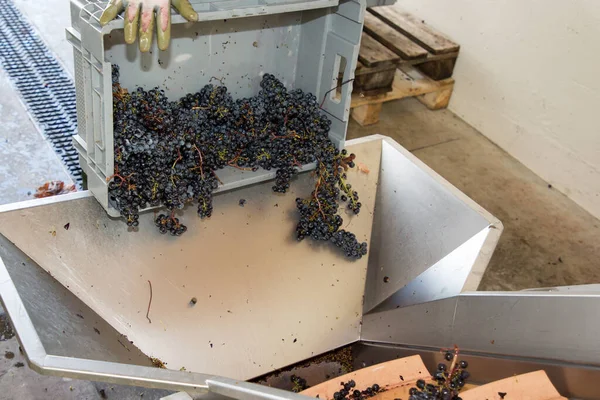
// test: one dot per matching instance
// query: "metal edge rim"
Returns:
(45, 201)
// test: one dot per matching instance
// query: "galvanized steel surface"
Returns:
(557, 326)
(264, 300)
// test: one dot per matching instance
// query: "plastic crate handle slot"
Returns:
(97, 112)
(337, 80)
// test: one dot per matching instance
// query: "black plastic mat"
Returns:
(46, 88)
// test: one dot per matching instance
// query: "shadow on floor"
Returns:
(548, 240)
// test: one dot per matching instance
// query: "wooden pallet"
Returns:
(407, 82)
(414, 42)
(376, 67)
(395, 47)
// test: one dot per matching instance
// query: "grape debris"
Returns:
(350, 392)
(448, 380)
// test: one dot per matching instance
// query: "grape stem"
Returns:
(177, 159)
(345, 160)
(201, 162)
(232, 163)
(120, 93)
(316, 196)
(345, 189)
(215, 175)
(292, 134)
(454, 361)
(123, 180)
(331, 90)
(173, 167)
(149, 303)
(172, 217)
(241, 168)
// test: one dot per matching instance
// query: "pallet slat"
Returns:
(424, 35)
(404, 85)
(392, 39)
(425, 67)
(375, 80)
(374, 54)
(408, 82)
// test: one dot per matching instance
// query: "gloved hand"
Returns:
(148, 8)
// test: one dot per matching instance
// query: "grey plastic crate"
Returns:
(308, 44)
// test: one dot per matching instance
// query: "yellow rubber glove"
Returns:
(148, 8)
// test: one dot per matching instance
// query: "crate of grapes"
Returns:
(247, 94)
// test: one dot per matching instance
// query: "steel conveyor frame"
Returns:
(500, 334)
(427, 304)
(529, 332)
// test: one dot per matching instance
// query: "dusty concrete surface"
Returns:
(18, 381)
(50, 18)
(27, 161)
(548, 240)
(26, 158)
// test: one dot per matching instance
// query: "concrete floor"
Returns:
(18, 381)
(27, 160)
(548, 240)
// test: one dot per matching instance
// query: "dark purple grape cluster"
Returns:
(166, 223)
(319, 218)
(283, 177)
(449, 381)
(347, 242)
(168, 153)
(350, 392)
(349, 195)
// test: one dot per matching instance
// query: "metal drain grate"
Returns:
(46, 88)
